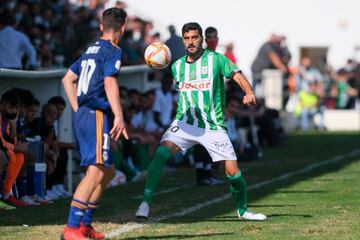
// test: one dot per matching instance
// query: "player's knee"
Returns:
(95, 171)
(231, 168)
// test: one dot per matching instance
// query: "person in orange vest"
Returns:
(8, 143)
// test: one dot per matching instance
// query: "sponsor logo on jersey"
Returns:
(201, 85)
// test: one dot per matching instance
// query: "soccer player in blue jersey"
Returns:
(92, 89)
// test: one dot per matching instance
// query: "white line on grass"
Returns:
(133, 226)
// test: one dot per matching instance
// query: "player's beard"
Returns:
(196, 53)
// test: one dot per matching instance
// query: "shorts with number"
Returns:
(91, 131)
(216, 142)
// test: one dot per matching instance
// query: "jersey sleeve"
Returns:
(75, 67)
(112, 63)
(227, 67)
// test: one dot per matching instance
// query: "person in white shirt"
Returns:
(163, 105)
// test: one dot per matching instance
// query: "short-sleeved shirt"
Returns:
(100, 60)
(262, 60)
(163, 105)
(201, 89)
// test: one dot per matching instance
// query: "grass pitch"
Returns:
(308, 188)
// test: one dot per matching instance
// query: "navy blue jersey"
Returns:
(100, 60)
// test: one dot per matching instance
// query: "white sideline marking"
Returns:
(133, 226)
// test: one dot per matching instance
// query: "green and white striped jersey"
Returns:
(201, 89)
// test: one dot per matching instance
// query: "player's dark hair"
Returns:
(57, 100)
(11, 97)
(191, 26)
(113, 18)
(210, 30)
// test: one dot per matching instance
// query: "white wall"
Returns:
(331, 23)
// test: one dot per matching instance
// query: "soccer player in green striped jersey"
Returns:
(199, 77)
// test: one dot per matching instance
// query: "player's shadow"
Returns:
(182, 236)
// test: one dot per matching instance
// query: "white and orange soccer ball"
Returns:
(157, 55)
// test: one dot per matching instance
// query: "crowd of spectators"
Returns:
(308, 90)
(59, 31)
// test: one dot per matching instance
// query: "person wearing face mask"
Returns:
(8, 144)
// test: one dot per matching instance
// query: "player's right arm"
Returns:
(70, 85)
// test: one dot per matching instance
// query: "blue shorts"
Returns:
(91, 131)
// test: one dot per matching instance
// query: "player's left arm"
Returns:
(241, 80)
(230, 70)
(113, 96)
(111, 70)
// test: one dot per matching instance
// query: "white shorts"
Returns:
(216, 142)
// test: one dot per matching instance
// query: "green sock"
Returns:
(239, 191)
(162, 154)
(125, 167)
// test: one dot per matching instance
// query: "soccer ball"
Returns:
(157, 55)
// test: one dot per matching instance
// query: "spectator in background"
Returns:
(44, 127)
(229, 52)
(268, 57)
(175, 44)
(162, 107)
(232, 122)
(134, 99)
(211, 38)
(56, 180)
(351, 68)
(31, 111)
(308, 105)
(308, 73)
(3, 160)
(283, 51)
(9, 104)
(14, 45)
(23, 182)
(341, 89)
